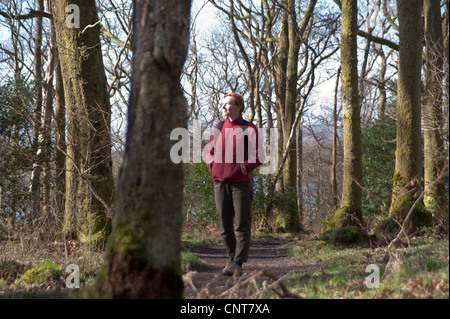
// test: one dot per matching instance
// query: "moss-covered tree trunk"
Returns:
(347, 221)
(408, 158)
(287, 83)
(144, 248)
(280, 80)
(291, 219)
(434, 157)
(88, 161)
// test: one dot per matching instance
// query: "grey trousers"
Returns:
(233, 203)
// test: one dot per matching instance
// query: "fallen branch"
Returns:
(242, 282)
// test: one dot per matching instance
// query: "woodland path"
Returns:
(270, 255)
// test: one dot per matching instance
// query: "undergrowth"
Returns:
(422, 270)
(30, 268)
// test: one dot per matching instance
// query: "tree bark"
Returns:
(37, 114)
(144, 250)
(292, 221)
(287, 83)
(434, 197)
(382, 85)
(60, 126)
(408, 159)
(333, 175)
(300, 172)
(349, 216)
(47, 114)
(88, 161)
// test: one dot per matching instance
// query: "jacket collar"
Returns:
(237, 121)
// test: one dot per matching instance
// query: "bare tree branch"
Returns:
(31, 14)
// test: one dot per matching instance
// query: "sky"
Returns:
(204, 16)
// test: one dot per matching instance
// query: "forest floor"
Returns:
(279, 266)
(304, 266)
(269, 255)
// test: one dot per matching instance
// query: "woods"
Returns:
(350, 99)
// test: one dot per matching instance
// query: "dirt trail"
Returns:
(270, 255)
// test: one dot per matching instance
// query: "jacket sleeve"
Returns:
(256, 153)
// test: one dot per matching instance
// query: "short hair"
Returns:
(238, 100)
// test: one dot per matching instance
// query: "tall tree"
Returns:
(144, 249)
(44, 151)
(37, 112)
(408, 159)
(60, 128)
(434, 197)
(89, 182)
(333, 175)
(290, 39)
(347, 220)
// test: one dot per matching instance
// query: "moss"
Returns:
(128, 277)
(389, 227)
(386, 230)
(344, 227)
(397, 177)
(39, 275)
(400, 206)
(127, 237)
(94, 230)
(344, 235)
(279, 224)
(339, 218)
(100, 289)
(422, 217)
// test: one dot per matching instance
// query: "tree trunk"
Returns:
(287, 83)
(88, 162)
(144, 250)
(348, 219)
(37, 113)
(333, 179)
(434, 197)
(408, 159)
(60, 126)
(445, 35)
(382, 85)
(47, 114)
(300, 172)
(291, 221)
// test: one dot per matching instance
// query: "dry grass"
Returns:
(25, 254)
(33, 267)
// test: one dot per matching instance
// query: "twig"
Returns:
(234, 291)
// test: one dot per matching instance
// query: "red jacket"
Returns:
(225, 165)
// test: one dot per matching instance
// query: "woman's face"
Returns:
(230, 108)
